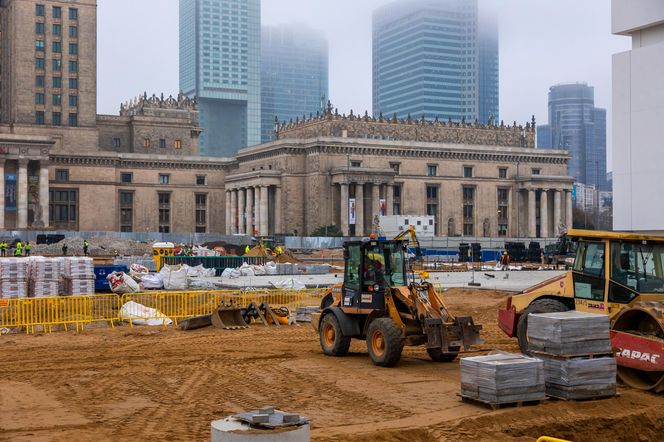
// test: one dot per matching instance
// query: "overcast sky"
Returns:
(542, 43)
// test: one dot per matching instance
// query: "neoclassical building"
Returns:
(344, 170)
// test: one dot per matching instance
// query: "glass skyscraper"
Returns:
(220, 66)
(435, 58)
(294, 74)
(576, 125)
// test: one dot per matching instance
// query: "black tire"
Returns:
(384, 342)
(538, 306)
(437, 355)
(332, 339)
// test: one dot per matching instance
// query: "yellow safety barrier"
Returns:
(77, 311)
(58, 311)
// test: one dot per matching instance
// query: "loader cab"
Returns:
(611, 272)
(371, 267)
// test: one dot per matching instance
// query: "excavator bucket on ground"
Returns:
(196, 322)
(228, 318)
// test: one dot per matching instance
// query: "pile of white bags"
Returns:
(174, 277)
(142, 315)
(120, 282)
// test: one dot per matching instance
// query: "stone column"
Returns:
(228, 212)
(556, 212)
(544, 214)
(277, 211)
(389, 198)
(250, 211)
(233, 212)
(241, 208)
(2, 194)
(532, 219)
(264, 214)
(22, 194)
(375, 201)
(43, 192)
(257, 209)
(568, 209)
(359, 209)
(343, 201)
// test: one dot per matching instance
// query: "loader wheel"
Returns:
(384, 342)
(538, 306)
(437, 355)
(332, 340)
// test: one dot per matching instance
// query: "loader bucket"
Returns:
(470, 333)
(228, 318)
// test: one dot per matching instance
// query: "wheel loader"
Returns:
(377, 303)
(616, 274)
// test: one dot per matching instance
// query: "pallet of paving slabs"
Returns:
(570, 333)
(502, 378)
(580, 378)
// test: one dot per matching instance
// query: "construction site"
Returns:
(370, 346)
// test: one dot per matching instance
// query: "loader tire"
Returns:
(538, 306)
(332, 339)
(384, 342)
(437, 355)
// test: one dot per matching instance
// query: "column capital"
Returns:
(23, 161)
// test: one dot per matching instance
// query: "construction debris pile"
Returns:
(502, 378)
(99, 246)
(14, 278)
(170, 277)
(576, 350)
(78, 276)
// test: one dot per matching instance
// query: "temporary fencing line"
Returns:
(80, 310)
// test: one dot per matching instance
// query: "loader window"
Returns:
(384, 265)
(589, 281)
(638, 266)
(352, 276)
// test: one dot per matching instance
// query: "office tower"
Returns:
(294, 74)
(220, 66)
(435, 58)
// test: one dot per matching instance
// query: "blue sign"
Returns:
(10, 193)
(574, 193)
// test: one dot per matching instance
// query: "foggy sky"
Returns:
(542, 43)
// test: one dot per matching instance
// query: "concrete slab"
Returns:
(510, 281)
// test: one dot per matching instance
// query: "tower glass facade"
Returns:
(220, 66)
(576, 125)
(430, 59)
(294, 74)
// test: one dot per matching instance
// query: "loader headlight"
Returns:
(376, 287)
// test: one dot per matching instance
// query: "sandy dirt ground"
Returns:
(163, 384)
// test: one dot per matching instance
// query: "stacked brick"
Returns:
(79, 276)
(44, 276)
(14, 278)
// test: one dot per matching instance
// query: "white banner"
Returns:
(351, 210)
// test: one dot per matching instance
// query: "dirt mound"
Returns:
(99, 246)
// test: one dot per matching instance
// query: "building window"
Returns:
(467, 171)
(126, 211)
(432, 202)
(162, 143)
(502, 172)
(536, 171)
(40, 11)
(395, 167)
(146, 143)
(57, 47)
(396, 199)
(73, 32)
(56, 119)
(73, 120)
(164, 178)
(356, 163)
(73, 100)
(62, 175)
(40, 81)
(39, 98)
(57, 99)
(39, 45)
(201, 213)
(117, 143)
(126, 177)
(57, 29)
(57, 12)
(73, 14)
(57, 82)
(39, 118)
(39, 28)
(468, 210)
(178, 144)
(73, 83)
(40, 63)
(63, 208)
(503, 211)
(432, 170)
(73, 48)
(57, 64)
(73, 66)
(200, 180)
(164, 212)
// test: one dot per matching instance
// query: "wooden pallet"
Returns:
(496, 406)
(545, 355)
